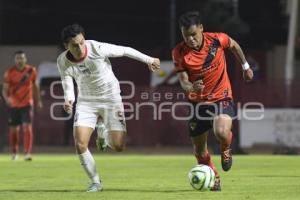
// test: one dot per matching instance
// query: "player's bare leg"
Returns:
(114, 139)
(117, 140)
(113, 133)
(222, 129)
(28, 140)
(14, 141)
(203, 157)
(82, 137)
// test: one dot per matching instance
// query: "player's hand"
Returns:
(155, 65)
(68, 107)
(7, 101)
(198, 86)
(248, 74)
(39, 105)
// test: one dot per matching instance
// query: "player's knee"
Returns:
(14, 129)
(118, 141)
(27, 127)
(81, 147)
(119, 147)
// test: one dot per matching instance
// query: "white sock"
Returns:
(88, 163)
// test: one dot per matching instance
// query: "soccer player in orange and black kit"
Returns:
(18, 88)
(201, 68)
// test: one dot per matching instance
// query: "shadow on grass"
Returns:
(105, 190)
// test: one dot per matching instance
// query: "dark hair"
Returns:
(19, 52)
(71, 31)
(189, 19)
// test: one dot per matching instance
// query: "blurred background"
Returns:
(268, 31)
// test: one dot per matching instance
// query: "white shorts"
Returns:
(89, 114)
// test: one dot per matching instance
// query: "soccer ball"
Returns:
(201, 177)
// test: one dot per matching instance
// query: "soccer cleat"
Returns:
(226, 159)
(27, 157)
(101, 144)
(217, 185)
(95, 187)
(226, 155)
(100, 141)
(14, 157)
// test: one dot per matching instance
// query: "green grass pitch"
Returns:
(141, 177)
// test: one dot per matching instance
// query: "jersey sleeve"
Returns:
(111, 50)
(67, 82)
(177, 60)
(224, 40)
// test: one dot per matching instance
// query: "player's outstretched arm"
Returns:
(238, 52)
(110, 50)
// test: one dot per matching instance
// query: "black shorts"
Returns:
(18, 116)
(203, 115)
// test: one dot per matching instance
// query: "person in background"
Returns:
(19, 87)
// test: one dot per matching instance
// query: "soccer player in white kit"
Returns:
(87, 61)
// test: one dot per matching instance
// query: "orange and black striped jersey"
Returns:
(20, 85)
(207, 64)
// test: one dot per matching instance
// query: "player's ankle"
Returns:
(226, 143)
(96, 179)
(224, 147)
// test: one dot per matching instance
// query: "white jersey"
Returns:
(94, 76)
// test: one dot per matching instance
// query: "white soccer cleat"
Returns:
(95, 187)
(28, 157)
(101, 137)
(14, 157)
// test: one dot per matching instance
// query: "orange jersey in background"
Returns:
(207, 64)
(20, 85)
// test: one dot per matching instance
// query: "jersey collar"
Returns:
(20, 70)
